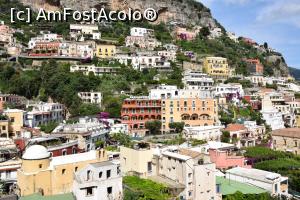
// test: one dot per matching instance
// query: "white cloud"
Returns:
(282, 11)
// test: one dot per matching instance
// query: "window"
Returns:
(109, 190)
(12, 119)
(63, 171)
(108, 174)
(296, 143)
(3, 128)
(76, 168)
(89, 191)
(100, 174)
(64, 152)
(74, 150)
(149, 166)
(88, 175)
(40, 166)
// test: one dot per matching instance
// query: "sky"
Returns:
(276, 22)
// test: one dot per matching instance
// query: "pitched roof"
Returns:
(235, 127)
(287, 132)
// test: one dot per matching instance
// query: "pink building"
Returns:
(225, 159)
(184, 34)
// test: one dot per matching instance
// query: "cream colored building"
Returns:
(187, 171)
(137, 160)
(217, 67)
(49, 176)
(16, 121)
(287, 139)
(4, 124)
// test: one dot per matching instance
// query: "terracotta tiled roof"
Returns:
(287, 132)
(235, 127)
(190, 153)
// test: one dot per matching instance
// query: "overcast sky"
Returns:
(274, 21)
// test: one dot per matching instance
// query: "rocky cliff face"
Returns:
(280, 68)
(188, 12)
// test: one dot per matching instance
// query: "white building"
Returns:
(197, 81)
(141, 32)
(215, 33)
(271, 115)
(93, 127)
(43, 113)
(255, 130)
(171, 91)
(85, 29)
(119, 128)
(168, 55)
(100, 180)
(235, 91)
(232, 36)
(140, 61)
(97, 71)
(272, 182)
(45, 37)
(206, 133)
(185, 169)
(91, 97)
(171, 47)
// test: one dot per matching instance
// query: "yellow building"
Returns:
(16, 121)
(105, 50)
(137, 161)
(40, 173)
(4, 127)
(217, 67)
(192, 111)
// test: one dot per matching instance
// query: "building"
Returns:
(16, 119)
(136, 111)
(40, 173)
(102, 180)
(190, 175)
(12, 100)
(4, 126)
(206, 133)
(287, 140)
(256, 131)
(44, 38)
(228, 187)
(142, 42)
(216, 67)
(119, 128)
(105, 50)
(184, 34)
(191, 111)
(240, 135)
(254, 66)
(168, 55)
(44, 113)
(271, 115)
(195, 80)
(137, 160)
(232, 36)
(85, 29)
(141, 32)
(91, 97)
(272, 182)
(97, 71)
(87, 132)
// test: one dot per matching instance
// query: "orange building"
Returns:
(254, 66)
(45, 49)
(136, 111)
(192, 111)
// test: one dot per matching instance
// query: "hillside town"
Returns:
(183, 125)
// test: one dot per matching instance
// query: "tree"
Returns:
(153, 126)
(204, 32)
(225, 137)
(177, 126)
